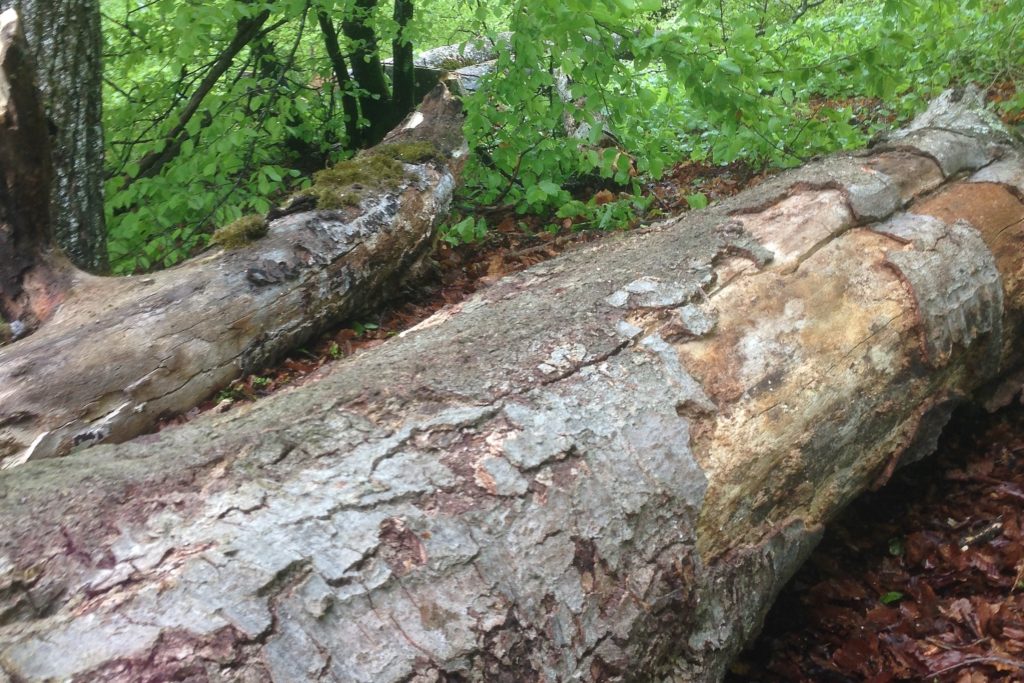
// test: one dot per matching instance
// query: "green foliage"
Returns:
(619, 213)
(273, 116)
(891, 597)
(697, 201)
(613, 89)
(229, 163)
(362, 328)
(713, 81)
(466, 231)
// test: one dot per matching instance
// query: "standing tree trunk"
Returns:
(403, 76)
(64, 40)
(349, 103)
(31, 283)
(369, 72)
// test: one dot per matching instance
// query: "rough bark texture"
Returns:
(64, 40)
(119, 353)
(601, 468)
(460, 66)
(31, 283)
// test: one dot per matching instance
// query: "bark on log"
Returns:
(601, 468)
(460, 66)
(120, 353)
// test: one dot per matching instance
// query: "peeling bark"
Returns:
(132, 350)
(601, 468)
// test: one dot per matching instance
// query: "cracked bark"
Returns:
(65, 42)
(601, 468)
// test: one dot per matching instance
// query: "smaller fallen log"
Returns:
(103, 359)
(460, 66)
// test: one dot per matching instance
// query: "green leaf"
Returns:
(891, 597)
(549, 188)
(697, 201)
(730, 66)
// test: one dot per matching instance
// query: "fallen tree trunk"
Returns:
(112, 356)
(601, 468)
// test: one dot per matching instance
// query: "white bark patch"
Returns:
(414, 120)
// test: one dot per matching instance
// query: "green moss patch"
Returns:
(373, 170)
(410, 152)
(338, 186)
(240, 232)
(380, 169)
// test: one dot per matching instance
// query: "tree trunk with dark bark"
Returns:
(30, 284)
(349, 103)
(403, 73)
(601, 468)
(376, 104)
(65, 44)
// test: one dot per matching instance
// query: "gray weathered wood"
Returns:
(601, 468)
(120, 353)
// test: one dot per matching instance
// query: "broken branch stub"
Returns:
(601, 468)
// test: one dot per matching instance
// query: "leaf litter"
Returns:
(921, 581)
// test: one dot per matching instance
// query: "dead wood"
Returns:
(118, 354)
(600, 468)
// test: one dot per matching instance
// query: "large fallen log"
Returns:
(112, 356)
(601, 468)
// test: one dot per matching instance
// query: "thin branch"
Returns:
(246, 30)
(989, 659)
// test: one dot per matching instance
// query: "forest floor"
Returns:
(921, 581)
